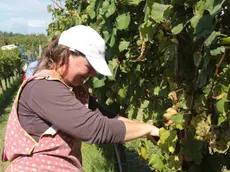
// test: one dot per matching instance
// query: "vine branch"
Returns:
(143, 49)
(215, 74)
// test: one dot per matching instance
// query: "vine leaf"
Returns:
(211, 38)
(156, 162)
(113, 37)
(214, 6)
(147, 31)
(178, 120)
(143, 150)
(108, 9)
(113, 65)
(122, 92)
(134, 2)
(123, 45)
(97, 83)
(192, 149)
(106, 36)
(217, 51)
(168, 139)
(220, 106)
(158, 11)
(177, 29)
(197, 57)
(90, 10)
(122, 21)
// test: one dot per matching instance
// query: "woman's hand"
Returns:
(155, 131)
(135, 129)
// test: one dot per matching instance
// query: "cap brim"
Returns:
(99, 65)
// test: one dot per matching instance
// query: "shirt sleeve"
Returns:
(52, 101)
(31, 68)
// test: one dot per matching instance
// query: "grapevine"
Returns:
(170, 61)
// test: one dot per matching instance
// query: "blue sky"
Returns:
(24, 16)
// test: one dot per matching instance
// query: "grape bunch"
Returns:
(202, 126)
(219, 139)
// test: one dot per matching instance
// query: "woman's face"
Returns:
(76, 70)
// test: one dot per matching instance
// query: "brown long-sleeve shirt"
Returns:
(43, 103)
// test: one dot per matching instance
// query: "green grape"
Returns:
(202, 127)
(219, 139)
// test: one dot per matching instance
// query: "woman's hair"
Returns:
(54, 55)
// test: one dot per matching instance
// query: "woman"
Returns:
(50, 117)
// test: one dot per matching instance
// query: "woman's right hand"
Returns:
(155, 131)
(136, 130)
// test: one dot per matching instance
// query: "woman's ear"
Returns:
(66, 60)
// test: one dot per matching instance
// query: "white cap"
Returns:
(87, 41)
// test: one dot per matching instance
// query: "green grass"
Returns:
(135, 164)
(6, 101)
(103, 159)
(3, 120)
(12, 79)
(96, 160)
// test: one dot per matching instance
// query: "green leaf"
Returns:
(138, 68)
(217, 51)
(202, 78)
(168, 139)
(143, 150)
(144, 104)
(123, 45)
(158, 11)
(106, 36)
(147, 30)
(178, 118)
(108, 9)
(113, 65)
(91, 10)
(156, 90)
(192, 149)
(200, 7)
(202, 25)
(113, 38)
(134, 2)
(171, 149)
(49, 8)
(122, 92)
(156, 162)
(197, 57)
(194, 21)
(221, 119)
(177, 29)
(122, 21)
(211, 38)
(78, 21)
(147, 9)
(214, 6)
(112, 41)
(104, 7)
(225, 41)
(97, 83)
(220, 105)
(141, 81)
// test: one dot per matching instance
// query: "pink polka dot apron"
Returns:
(55, 151)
